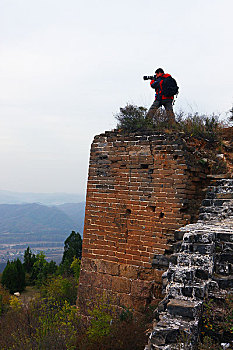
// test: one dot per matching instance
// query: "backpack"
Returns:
(170, 87)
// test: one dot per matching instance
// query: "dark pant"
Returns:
(168, 108)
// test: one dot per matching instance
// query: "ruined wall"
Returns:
(200, 267)
(141, 188)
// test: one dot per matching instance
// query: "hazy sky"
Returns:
(66, 66)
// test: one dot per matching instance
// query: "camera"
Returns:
(148, 77)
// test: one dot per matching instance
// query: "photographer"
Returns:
(165, 87)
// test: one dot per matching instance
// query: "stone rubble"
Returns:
(201, 266)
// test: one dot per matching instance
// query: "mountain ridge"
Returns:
(40, 220)
(11, 197)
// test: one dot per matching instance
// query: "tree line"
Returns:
(35, 269)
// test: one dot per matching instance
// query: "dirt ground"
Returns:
(28, 294)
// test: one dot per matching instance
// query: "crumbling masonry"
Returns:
(201, 267)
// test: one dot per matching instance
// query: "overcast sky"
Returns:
(66, 66)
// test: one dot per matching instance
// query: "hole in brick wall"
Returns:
(175, 156)
(144, 166)
(151, 208)
(183, 209)
(193, 219)
(161, 215)
(128, 211)
(103, 156)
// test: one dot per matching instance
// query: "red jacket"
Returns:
(158, 86)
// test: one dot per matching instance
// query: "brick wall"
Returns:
(141, 188)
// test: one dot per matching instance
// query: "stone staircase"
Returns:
(201, 266)
(219, 196)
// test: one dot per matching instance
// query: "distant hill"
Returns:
(76, 211)
(2, 266)
(8, 197)
(30, 222)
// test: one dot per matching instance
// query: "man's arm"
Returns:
(154, 84)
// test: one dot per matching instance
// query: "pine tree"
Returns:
(29, 260)
(72, 249)
(13, 276)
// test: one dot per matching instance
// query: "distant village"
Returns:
(52, 250)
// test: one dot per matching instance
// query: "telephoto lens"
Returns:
(148, 77)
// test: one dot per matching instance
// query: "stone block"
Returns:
(173, 259)
(184, 308)
(187, 291)
(227, 247)
(163, 336)
(200, 291)
(225, 195)
(223, 268)
(128, 271)
(225, 236)
(87, 278)
(106, 281)
(220, 202)
(202, 274)
(141, 289)
(121, 284)
(207, 202)
(109, 267)
(160, 261)
(177, 246)
(125, 300)
(224, 282)
(150, 274)
(203, 248)
(226, 257)
(89, 265)
(204, 237)
(183, 275)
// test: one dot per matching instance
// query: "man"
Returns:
(160, 98)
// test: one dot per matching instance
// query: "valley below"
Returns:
(42, 227)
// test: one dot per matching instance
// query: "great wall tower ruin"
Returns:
(141, 190)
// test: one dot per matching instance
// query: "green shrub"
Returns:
(4, 299)
(43, 324)
(76, 267)
(217, 320)
(209, 344)
(60, 289)
(201, 126)
(132, 118)
(100, 319)
(42, 269)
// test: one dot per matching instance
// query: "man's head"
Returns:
(159, 72)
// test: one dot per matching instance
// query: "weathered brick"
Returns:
(136, 187)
